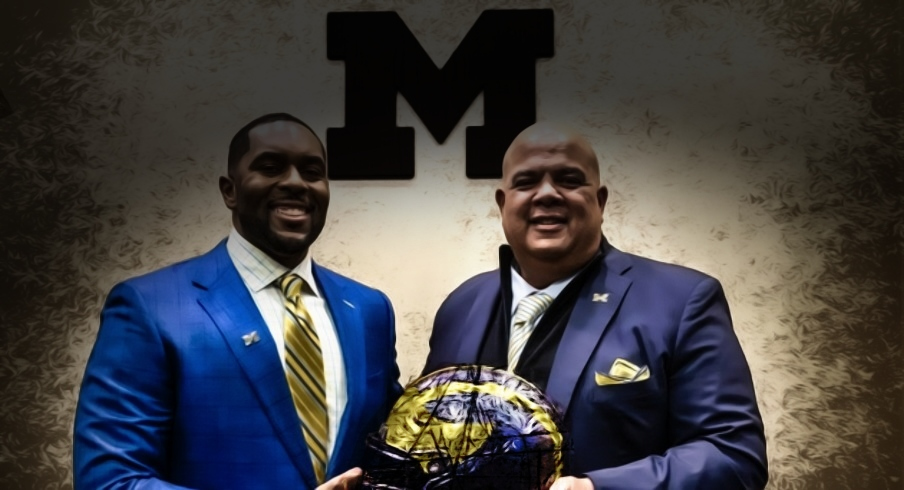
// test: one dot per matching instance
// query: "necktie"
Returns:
(529, 308)
(305, 372)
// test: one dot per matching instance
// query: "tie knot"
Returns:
(291, 285)
(531, 307)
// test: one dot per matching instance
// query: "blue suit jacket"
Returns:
(694, 424)
(173, 397)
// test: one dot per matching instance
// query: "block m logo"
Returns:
(5, 108)
(382, 58)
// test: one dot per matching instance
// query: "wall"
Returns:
(758, 141)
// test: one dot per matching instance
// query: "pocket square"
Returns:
(623, 372)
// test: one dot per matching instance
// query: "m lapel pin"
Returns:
(600, 298)
(251, 338)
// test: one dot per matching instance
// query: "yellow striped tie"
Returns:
(305, 372)
(526, 314)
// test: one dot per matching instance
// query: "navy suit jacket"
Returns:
(693, 424)
(173, 397)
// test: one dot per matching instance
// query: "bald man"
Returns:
(641, 355)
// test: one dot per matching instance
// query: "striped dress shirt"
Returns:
(260, 273)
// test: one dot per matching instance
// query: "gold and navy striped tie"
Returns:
(304, 359)
(529, 308)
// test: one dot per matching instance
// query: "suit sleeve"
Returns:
(438, 353)
(124, 412)
(431, 363)
(715, 430)
(394, 389)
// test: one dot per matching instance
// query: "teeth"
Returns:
(547, 221)
(290, 211)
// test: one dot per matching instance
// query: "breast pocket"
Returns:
(640, 393)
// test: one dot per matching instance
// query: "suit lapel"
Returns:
(226, 299)
(347, 319)
(597, 303)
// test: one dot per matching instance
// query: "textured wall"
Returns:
(758, 141)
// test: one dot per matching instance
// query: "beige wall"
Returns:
(734, 138)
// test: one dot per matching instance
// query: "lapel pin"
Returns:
(251, 338)
(600, 298)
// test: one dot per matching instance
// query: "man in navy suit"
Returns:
(640, 355)
(187, 385)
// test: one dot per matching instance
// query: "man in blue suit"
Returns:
(640, 355)
(187, 385)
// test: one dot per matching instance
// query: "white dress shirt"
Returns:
(521, 289)
(260, 273)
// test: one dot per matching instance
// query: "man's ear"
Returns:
(500, 198)
(227, 189)
(602, 195)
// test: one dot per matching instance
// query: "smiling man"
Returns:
(247, 367)
(640, 355)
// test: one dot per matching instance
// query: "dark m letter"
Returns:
(5, 108)
(382, 57)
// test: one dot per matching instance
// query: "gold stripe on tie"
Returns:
(526, 314)
(304, 360)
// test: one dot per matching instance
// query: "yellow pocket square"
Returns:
(623, 372)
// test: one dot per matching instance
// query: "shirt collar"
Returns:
(259, 270)
(522, 289)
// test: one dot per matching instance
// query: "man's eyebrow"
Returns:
(312, 159)
(282, 157)
(523, 173)
(269, 155)
(570, 171)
